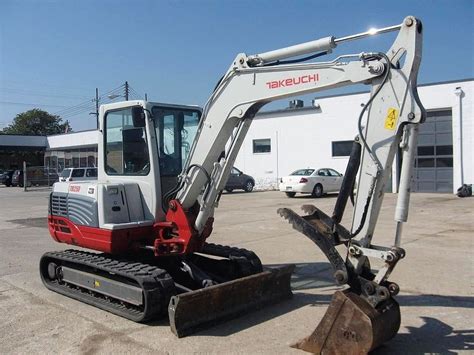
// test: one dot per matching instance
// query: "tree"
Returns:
(37, 122)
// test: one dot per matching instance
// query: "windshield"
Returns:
(303, 172)
(65, 173)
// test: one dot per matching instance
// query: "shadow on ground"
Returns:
(242, 192)
(309, 196)
(265, 314)
(436, 301)
(433, 337)
(302, 278)
(41, 222)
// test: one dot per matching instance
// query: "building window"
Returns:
(262, 145)
(71, 158)
(341, 148)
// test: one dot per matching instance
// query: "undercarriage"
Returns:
(146, 288)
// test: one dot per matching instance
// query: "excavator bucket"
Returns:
(193, 311)
(352, 326)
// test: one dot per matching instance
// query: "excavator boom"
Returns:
(366, 311)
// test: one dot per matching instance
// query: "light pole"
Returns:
(114, 96)
(126, 93)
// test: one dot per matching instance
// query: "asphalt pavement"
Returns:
(435, 278)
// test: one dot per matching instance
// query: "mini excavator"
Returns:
(161, 172)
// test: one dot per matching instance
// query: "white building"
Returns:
(78, 149)
(318, 135)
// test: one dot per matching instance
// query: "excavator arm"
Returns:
(389, 118)
(387, 126)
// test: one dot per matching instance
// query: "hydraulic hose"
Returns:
(366, 146)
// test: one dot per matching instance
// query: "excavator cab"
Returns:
(145, 268)
(147, 143)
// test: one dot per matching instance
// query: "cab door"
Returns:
(124, 154)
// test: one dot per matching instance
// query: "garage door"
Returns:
(434, 158)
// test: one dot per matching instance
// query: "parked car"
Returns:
(35, 177)
(316, 182)
(6, 177)
(239, 180)
(17, 178)
(78, 174)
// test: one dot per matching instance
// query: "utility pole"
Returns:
(97, 106)
(126, 91)
(96, 113)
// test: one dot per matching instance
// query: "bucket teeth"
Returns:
(285, 213)
(309, 209)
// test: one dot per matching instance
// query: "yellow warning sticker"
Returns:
(391, 119)
(96, 283)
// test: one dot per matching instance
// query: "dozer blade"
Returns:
(192, 311)
(352, 326)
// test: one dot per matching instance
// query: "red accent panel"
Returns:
(105, 240)
(175, 236)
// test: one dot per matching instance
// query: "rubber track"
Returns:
(156, 283)
(232, 253)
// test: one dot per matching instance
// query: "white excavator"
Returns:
(162, 169)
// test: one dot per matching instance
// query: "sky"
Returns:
(55, 53)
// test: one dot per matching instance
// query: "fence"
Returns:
(37, 177)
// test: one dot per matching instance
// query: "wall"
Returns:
(442, 96)
(303, 138)
(75, 139)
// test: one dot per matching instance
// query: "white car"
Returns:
(311, 181)
(78, 174)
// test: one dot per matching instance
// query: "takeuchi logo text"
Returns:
(304, 79)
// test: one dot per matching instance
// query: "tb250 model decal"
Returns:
(74, 188)
(304, 79)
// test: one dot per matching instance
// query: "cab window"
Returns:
(126, 149)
